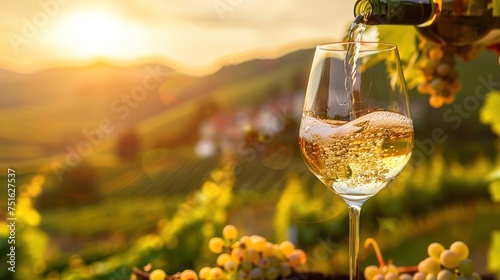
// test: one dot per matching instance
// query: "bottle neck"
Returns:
(397, 12)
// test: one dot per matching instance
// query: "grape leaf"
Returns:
(488, 115)
(494, 189)
(495, 6)
(405, 38)
(494, 175)
(494, 252)
(489, 112)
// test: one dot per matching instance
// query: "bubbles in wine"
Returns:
(360, 156)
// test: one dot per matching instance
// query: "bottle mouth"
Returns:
(363, 7)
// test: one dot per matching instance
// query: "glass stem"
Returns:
(354, 214)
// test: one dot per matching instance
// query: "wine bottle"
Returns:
(447, 22)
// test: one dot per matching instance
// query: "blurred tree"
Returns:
(127, 144)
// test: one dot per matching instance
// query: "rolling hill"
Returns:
(42, 113)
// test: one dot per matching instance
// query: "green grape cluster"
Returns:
(441, 76)
(447, 264)
(247, 258)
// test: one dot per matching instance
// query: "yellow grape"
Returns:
(436, 54)
(277, 251)
(443, 69)
(222, 259)
(253, 256)
(294, 260)
(237, 244)
(405, 276)
(419, 275)
(245, 240)
(204, 272)
(370, 271)
(230, 232)
(268, 250)
(434, 250)
(157, 274)
(216, 245)
(216, 273)
(390, 276)
(445, 274)
(189, 274)
(449, 259)
(389, 268)
(424, 88)
(430, 277)
(429, 266)
(302, 256)
(438, 84)
(461, 249)
(230, 266)
(436, 101)
(258, 243)
(238, 255)
(378, 276)
(287, 248)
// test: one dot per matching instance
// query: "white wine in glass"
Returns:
(356, 132)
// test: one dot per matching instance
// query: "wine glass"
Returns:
(356, 132)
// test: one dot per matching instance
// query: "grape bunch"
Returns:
(441, 77)
(247, 258)
(447, 264)
(441, 264)
(251, 257)
(385, 272)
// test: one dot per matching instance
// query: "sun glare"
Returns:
(95, 33)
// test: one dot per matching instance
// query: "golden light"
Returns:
(95, 33)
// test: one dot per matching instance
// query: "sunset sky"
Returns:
(195, 34)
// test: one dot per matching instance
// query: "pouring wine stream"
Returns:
(350, 63)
